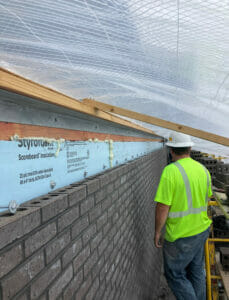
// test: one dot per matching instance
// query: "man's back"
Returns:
(184, 186)
(182, 198)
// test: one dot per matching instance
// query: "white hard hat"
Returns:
(177, 139)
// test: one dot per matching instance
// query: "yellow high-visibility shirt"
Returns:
(188, 209)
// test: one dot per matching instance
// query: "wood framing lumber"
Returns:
(158, 122)
(17, 84)
(23, 131)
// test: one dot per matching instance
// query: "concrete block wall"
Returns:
(89, 240)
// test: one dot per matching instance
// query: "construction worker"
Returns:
(182, 197)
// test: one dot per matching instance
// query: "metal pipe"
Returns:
(213, 203)
(215, 277)
(218, 240)
(208, 272)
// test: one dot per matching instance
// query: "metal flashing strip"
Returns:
(15, 108)
(18, 84)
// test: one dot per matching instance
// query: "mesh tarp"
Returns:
(165, 58)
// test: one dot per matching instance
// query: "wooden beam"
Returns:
(158, 122)
(9, 130)
(17, 84)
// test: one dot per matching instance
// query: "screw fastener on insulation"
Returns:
(12, 207)
(52, 184)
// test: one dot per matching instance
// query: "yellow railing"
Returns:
(210, 261)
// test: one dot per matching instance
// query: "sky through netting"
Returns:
(168, 59)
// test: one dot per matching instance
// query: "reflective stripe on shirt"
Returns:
(208, 183)
(191, 209)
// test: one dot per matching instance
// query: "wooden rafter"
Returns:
(158, 122)
(17, 84)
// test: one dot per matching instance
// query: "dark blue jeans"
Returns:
(184, 266)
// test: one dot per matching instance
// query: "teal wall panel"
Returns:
(33, 167)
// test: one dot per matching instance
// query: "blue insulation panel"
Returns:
(31, 168)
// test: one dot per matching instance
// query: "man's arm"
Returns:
(162, 211)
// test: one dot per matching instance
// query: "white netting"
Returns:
(164, 58)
